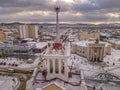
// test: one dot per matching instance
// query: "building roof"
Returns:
(114, 41)
(55, 50)
(40, 45)
(85, 43)
(28, 39)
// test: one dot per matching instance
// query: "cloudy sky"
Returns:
(72, 11)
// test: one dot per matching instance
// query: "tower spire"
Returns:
(57, 10)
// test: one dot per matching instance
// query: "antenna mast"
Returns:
(57, 10)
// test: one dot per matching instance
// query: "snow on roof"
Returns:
(106, 43)
(81, 43)
(28, 39)
(85, 43)
(41, 44)
(104, 34)
(115, 41)
(25, 45)
(31, 42)
(63, 51)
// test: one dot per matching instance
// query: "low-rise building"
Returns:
(40, 47)
(21, 49)
(2, 37)
(86, 35)
(91, 49)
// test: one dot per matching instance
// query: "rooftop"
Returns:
(114, 41)
(85, 43)
(58, 49)
(41, 45)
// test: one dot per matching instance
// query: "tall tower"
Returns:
(57, 55)
(57, 10)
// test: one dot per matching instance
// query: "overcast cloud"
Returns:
(43, 11)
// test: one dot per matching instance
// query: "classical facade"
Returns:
(56, 58)
(95, 52)
(91, 50)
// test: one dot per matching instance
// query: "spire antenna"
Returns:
(57, 10)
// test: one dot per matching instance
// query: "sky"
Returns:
(72, 11)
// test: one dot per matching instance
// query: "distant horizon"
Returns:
(61, 23)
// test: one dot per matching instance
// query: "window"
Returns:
(56, 66)
(62, 67)
(51, 66)
(95, 50)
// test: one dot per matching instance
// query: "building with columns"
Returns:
(57, 57)
(91, 49)
(95, 52)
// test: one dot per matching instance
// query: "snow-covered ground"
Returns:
(9, 83)
(12, 62)
(111, 64)
(60, 83)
